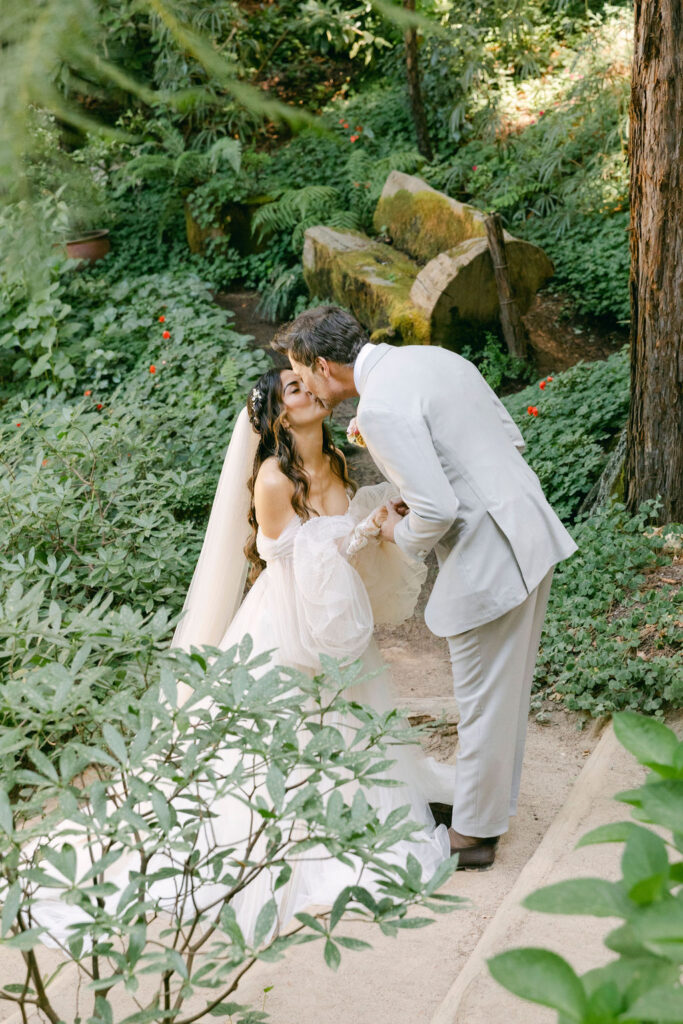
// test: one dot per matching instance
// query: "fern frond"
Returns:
(147, 167)
(278, 295)
(228, 151)
(296, 205)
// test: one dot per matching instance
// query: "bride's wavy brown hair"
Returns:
(267, 411)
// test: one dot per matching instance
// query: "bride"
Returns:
(321, 579)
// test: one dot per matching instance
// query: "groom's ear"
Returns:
(322, 367)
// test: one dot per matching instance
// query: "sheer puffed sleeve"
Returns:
(333, 604)
(392, 579)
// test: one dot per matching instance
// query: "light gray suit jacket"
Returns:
(436, 430)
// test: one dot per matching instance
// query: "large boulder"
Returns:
(369, 278)
(456, 291)
(421, 221)
(435, 283)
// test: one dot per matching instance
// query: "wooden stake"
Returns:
(514, 331)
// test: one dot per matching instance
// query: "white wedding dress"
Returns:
(310, 599)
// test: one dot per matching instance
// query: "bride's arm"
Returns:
(272, 499)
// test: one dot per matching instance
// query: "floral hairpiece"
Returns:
(256, 395)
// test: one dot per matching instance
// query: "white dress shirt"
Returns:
(366, 350)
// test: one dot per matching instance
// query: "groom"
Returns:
(438, 432)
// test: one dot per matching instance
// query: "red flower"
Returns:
(162, 319)
(354, 138)
(541, 113)
(152, 368)
(542, 385)
(18, 424)
(45, 462)
(474, 167)
(99, 405)
(549, 379)
(341, 120)
(345, 124)
(532, 410)
(529, 408)
(359, 127)
(166, 334)
(87, 393)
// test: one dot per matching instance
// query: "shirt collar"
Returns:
(367, 348)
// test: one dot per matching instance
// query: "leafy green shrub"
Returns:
(580, 411)
(155, 893)
(112, 480)
(103, 497)
(592, 263)
(611, 639)
(643, 983)
(497, 366)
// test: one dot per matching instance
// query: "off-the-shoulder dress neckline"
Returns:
(297, 518)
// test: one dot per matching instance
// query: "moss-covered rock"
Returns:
(400, 299)
(421, 221)
(197, 235)
(369, 278)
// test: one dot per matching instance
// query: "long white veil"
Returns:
(219, 578)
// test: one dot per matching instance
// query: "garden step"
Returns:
(474, 997)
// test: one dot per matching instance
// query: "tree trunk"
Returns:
(654, 453)
(424, 143)
(514, 331)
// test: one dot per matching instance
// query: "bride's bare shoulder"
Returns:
(272, 498)
(271, 481)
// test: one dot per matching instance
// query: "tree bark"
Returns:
(514, 331)
(654, 451)
(424, 143)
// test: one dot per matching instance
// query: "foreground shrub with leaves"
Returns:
(116, 833)
(643, 983)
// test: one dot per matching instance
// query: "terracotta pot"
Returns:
(91, 245)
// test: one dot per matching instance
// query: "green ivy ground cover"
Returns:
(611, 638)
(108, 471)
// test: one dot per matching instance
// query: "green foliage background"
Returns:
(104, 495)
(148, 117)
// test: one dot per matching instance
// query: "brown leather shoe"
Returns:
(475, 854)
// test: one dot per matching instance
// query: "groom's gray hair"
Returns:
(326, 332)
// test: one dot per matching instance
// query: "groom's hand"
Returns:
(389, 525)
